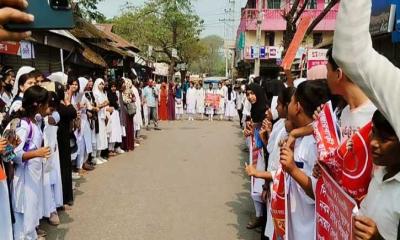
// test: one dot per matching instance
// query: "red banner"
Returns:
(326, 135)
(278, 205)
(295, 44)
(9, 47)
(2, 173)
(356, 164)
(213, 100)
(334, 210)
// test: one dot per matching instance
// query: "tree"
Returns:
(294, 13)
(88, 10)
(165, 25)
(211, 60)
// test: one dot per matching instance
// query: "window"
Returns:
(274, 4)
(317, 37)
(270, 38)
(312, 4)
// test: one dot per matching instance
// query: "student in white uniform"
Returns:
(230, 106)
(221, 108)
(200, 98)
(379, 215)
(52, 185)
(102, 103)
(23, 81)
(28, 179)
(114, 128)
(299, 163)
(210, 107)
(5, 214)
(191, 102)
(179, 101)
(137, 119)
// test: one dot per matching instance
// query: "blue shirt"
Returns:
(149, 96)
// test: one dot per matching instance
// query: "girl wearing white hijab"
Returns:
(22, 82)
(84, 133)
(102, 103)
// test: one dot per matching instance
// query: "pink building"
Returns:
(273, 28)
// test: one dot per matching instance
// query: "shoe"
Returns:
(137, 144)
(75, 176)
(119, 151)
(54, 219)
(157, 128)
(112, 154)
(103, 159)
(97, 161)
(147, 128)
(255, 223)
(88, 167)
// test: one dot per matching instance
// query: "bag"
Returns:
(130, 109)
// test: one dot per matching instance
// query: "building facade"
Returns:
(273, 29)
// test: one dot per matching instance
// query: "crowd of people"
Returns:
(362, 90)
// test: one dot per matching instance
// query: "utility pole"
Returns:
(229, 33)
(257, 61)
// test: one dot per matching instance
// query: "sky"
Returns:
(211, 11)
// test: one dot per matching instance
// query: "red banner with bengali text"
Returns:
(356, 164)
(334, 210)
(278, 205)
(213, 100)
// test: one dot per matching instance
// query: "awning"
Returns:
(110, 48)
(66, 34)
(93, 57)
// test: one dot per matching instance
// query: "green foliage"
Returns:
(211, 60)
(163, 24)
(88, 10)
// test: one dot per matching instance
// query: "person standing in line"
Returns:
(191, 102)
(27, 188)
(179, 102)
(163, 101)
(200, 97)
(230, 107)
(150, 95)
(171, 101)
(128, 141)
(102, 103)
(114, 128)
(137, 119)
(210, 106)
(240, 96)
(221, 108)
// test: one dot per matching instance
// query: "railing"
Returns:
(273, 19)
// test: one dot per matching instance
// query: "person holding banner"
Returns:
(299, 163)
(256, 96)
(379, 215)
(210, 93)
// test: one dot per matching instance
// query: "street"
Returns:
(185, 182)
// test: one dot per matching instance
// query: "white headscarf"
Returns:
(99, 96)
(59, 77)
(82, 84)
(23, 70)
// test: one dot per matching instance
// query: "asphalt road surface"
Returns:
(184, 182)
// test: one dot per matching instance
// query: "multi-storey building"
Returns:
(273, 28)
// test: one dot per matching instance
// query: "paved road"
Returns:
(185, 182)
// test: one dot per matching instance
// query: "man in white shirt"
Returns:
(150, 95)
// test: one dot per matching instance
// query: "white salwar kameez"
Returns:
(200, 98)
(52, 185)
(27, 189)
(114, 128)
(137, 119)
(5, 215)
(191, 101)
(221, 107)
(100, 97)
(179, 104)
(230, 106)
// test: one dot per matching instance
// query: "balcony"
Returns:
(273, 20)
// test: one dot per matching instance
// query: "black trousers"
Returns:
(240, 112)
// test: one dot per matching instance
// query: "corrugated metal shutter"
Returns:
(47, 59)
